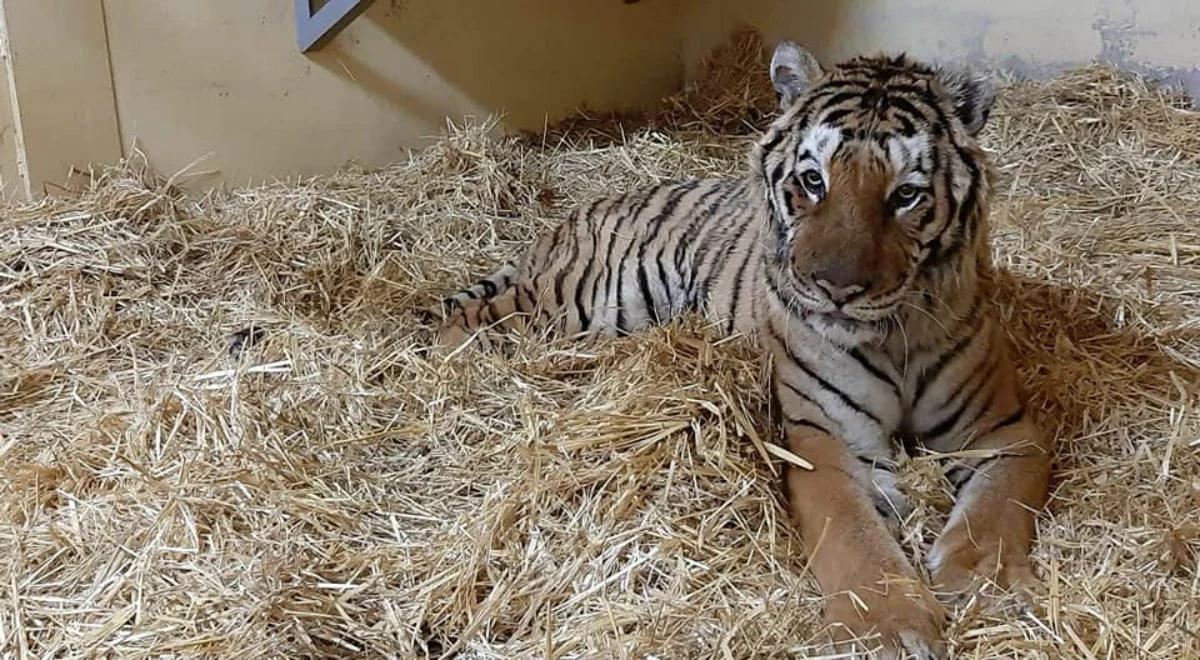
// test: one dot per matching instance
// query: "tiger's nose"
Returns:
(840, 284)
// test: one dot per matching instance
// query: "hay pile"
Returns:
(220, 435)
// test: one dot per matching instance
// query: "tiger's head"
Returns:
(876, 187)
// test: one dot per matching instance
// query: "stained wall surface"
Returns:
(1035, 38)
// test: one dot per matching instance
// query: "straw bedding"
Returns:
(220, 434)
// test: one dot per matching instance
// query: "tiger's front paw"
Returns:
(963, 566)
(894, 619)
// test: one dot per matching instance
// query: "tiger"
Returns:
(855, 252)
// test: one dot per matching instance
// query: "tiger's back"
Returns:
(626, 262)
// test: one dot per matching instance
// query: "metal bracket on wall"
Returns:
(316, 28)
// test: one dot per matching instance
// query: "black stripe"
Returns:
(776, 174)
(708, 241)
(966, 473)
(525, 290)
(487, 313)
(949, 422)
(555, 238)
(613, 210)
(943, 252)
(647, 298)
(773, 286)
(773, 141)
(701, 241)
(559, 299)
(850, 403)
(737, 289)
(979, 413)
(835, 116)
(665, 281)
(804, 397)
(671, 232)
(842, 82)
(969, 201)
(935, 155)
(620, 266)
(608, 266)
(798, 421)
(866, 363)
(618, 218)
(621, 325)
(900, 104)
(883, 507)
(957, 476)
(489, 289)
(685, 236)
(931, 373)
(789, 200)
(907, 128)
(717, 266)
(668, 210)
(842, 97)
(1007, 421)
(621, 288)
(845, 399)
(585, 321)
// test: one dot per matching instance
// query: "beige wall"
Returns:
(224, 78)
(222, 81)
(60, 109)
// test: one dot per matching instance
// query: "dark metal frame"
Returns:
(315, 29)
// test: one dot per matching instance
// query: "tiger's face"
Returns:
(876, 185)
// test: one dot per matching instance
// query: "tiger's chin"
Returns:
(844, 330)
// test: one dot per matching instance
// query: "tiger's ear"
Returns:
(793, 70)
(971, 95)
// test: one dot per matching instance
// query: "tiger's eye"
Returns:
(906, 193)
(813, 181)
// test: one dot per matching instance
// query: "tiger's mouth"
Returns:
(840, 315)
(846, 318)
(843, 328)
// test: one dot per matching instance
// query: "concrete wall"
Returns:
(1037, 38)
(222, 80)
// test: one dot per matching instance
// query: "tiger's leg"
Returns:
(991, 528)
(544, 292)
(840, 410)
(476, 318)
(998, 492)
(871, 587)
